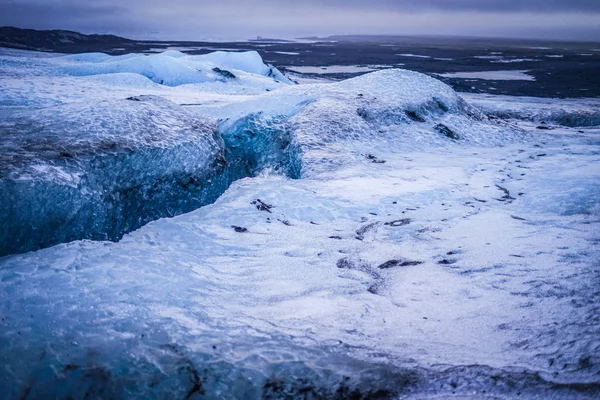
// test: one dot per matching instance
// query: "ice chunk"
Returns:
(248, 61)
(171, 68)
(257, 142)
(403, 109)
(97, 171)
(158, 68)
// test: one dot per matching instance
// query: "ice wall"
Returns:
(98, 171)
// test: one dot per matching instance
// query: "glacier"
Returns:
(379, 237)
(115, 165)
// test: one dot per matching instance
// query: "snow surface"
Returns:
(387, 239)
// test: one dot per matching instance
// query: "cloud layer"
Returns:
(197, 19)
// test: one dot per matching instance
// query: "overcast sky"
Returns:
(238, 19)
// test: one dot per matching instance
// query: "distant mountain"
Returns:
(56, 40)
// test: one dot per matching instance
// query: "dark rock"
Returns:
(398, 263)
(360, 234)
(344, 263)
(410, 263)
(518, 218)
(442, 105)
(262, 206)
(374, 159)
(446, 262)
(224, 72)
(335, 237)
(399, 222)
(362, 113)
(389, 264)
(239, 229)
(544, 127)
(444, 130)
(374, 289)
(506, 194)
(414, 116)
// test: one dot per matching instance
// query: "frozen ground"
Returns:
(386, 240)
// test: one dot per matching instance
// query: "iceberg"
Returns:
(170, 68)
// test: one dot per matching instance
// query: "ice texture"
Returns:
(97, 171)
(428, 249)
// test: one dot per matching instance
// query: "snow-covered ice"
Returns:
(379, 237)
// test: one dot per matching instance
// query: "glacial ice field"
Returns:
(202, 227)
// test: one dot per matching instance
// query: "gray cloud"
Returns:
(410, 6)
(51, 14)
(196, 19)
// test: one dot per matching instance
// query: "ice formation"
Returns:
(98, 171)
(113, 166)
(427, 250)
(171, 68)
